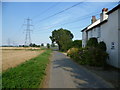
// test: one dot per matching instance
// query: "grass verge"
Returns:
(27, 75)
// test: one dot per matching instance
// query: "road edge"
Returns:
(45, 82)
(94, 74)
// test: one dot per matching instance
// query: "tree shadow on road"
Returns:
(81, 77)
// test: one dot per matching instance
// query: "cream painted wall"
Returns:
(84, 38)
(109, 34)
(119, 38)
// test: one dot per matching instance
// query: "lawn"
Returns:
(27, 75)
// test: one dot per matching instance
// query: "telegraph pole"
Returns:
(28, 32)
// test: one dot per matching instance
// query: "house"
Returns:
(106, 29)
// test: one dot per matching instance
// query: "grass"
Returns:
(27, 75)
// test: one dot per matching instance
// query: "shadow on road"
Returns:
(81, 77)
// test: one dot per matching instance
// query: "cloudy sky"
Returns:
(45, 19)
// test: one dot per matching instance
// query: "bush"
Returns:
(42, 44)
(94, 54)
(95, 57)
(102, 46)
(77, 55)
(89, 56)
(77, 43)
(73, 53)
(82, 56)
(92, 42)
(48, 45)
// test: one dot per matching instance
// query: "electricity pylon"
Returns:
(28, 32)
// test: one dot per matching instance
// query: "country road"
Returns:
(64, 73)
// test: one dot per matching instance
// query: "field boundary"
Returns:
(27, 75)
(45, 82)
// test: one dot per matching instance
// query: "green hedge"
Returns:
(102, 46)
(89, 56)
(92, 42)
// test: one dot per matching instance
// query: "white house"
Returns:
(106, 29)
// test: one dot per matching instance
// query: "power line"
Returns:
(80, 19)
(60, 11)
(76, 20)
(51, 7)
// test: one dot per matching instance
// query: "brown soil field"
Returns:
(12, 58)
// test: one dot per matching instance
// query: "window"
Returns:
(99, 32)
(91, 33)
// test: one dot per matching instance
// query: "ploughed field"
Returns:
(11, 57)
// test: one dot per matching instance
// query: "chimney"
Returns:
(93, 19)
(103, 15)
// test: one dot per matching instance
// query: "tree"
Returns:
(77, 43)
(63, 38)
(42, 44)
(48, 45)
(33, 45)
(52, 45)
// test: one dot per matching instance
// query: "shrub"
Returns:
(73, 52)
(102, 46)
(77, 43)
(92, 42)
(82, 54)
(42, 44)
(89, 56)
(95, 57)
(77, 54)
(48, 45)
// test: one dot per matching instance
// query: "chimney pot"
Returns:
(104, 9)
(103, 15)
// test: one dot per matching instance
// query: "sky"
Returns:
(14, 15)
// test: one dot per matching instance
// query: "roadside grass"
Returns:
(43, 48)
(27, 75)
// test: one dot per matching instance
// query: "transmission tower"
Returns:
(28, 32)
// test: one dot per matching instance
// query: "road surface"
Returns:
(64, 73)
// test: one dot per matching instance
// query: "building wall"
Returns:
(109, 34)
(94, 33)
(84, 38)
(119, 37)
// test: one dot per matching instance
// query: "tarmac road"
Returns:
(65, 73)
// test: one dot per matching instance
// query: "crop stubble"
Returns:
(12, 58)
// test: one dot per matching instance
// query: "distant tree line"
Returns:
(30, 45)
(34, 45)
